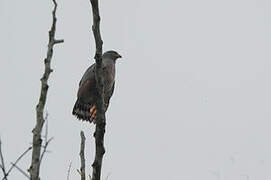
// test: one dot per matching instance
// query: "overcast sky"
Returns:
(192, 98)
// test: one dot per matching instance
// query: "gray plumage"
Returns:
(85, 105)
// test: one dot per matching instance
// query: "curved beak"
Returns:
(119, 56)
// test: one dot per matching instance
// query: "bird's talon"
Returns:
(92, 109)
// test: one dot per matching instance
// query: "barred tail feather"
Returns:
(82, 111)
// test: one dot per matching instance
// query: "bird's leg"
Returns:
(94, 114)
(92, 110)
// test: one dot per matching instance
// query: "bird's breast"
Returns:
(109, 77)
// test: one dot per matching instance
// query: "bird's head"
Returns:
(111, 55)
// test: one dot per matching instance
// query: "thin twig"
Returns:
(45, 149)
(107, 176)
(17, 160)
(45, 138)
(58, 41)
(37, 141)
(46, 126)
(69, 170)
(100, 118)
(245, 176)
(82, 156)
(2, 162)
(22, 171)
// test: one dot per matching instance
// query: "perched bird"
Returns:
(85, 106)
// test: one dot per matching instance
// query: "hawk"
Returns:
(85, 106)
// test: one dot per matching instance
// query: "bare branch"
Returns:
(107, 176)
(22, 171)
(69, 170)
(17, 160)
(82, 156)
(2, 162)
(100, 118)
(96, 31)
(37, 141)
(246, 176)
(46, 126)
(58, 41)
(45, 149)
(45, 138)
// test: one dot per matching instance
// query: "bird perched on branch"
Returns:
(85, 107)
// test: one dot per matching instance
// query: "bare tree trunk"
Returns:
(100, 118)
(37, 141)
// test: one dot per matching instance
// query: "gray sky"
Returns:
(192, 98)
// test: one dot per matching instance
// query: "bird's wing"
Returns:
(89, 74)
(86, 96)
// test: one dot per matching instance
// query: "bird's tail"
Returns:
(83, 111)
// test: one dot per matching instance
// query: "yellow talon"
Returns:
(94, 114)
(92, 109)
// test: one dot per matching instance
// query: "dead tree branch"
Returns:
(17, 160)
(20, 170)
(45, 138)
(2, 162)
(107, 176)
(69, 170)
(100, 118)
(45, 148)
(82, 156)
(37, 141)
